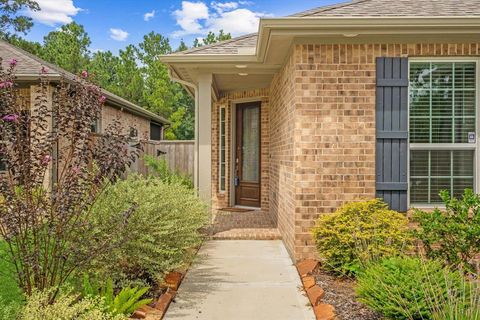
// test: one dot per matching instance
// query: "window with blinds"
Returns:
(222, 150)
(442, 129)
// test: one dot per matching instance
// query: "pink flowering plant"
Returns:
(55, 171)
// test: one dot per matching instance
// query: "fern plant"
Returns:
(125, 302)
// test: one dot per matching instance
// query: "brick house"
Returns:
(138, 122)
(339, 103)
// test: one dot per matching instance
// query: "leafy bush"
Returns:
(125, 302)
(452, 234)
(161, 170)
(408, 288)
(161, 231)
(359, 232)
(65, 307)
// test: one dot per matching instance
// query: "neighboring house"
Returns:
(370, 98)
(138, 122)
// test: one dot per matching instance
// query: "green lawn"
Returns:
(9, 291)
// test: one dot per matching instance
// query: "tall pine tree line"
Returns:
(135, 74)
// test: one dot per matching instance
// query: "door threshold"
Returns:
(247, 207)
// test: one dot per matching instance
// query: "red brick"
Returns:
(173, 279)
(164, 301)
(307, 267)
(324, 312)
(315, 295)
(308, 282)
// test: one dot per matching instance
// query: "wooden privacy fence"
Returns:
(178, 153)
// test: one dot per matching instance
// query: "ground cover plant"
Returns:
(360, 232)
(67, 306)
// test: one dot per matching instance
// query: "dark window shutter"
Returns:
(392, 132)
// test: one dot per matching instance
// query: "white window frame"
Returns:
(222, 132)
(448, 146)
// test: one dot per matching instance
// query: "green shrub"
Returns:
(408, 288)
(161, 170)
(359, 232)
(65, 307)
(125, 302)
(160, 231)
(452, 234)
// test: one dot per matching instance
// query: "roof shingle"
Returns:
(383, 8)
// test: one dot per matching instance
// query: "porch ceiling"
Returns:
(236, 82)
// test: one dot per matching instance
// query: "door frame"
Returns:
(233, 135)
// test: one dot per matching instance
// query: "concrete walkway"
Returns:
(241, 280)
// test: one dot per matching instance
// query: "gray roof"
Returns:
(29, 66)
(225, 47)
(356, 8)
(398, 8)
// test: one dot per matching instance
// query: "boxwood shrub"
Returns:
(359, 232)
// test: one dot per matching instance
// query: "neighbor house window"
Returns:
(442, 129)
(155, 131)
(222, 155)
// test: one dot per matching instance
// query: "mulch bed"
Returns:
(341, 294)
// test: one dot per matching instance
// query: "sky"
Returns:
(113, 24)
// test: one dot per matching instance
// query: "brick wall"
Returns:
(228, 100)
(127, 120)
(334, 150)
(282, 157)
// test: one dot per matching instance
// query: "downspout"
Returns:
(195, 88)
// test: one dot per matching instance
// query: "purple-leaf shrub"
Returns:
(56, 169)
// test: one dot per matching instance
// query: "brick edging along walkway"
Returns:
(315, 294)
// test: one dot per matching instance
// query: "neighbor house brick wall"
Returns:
(228, 100)
(282, 161)
(127, 120)
(334, 143)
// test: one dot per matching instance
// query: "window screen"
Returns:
(442, 117)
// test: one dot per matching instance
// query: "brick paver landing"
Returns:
(250, 225)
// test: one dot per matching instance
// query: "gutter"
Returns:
(175, 78)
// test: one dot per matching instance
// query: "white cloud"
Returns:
(197, 18)
(54, 12)
(188, 18)
(236, 22)
(149, 15)
(225, 6)
(118, 34)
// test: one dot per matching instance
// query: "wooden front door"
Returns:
(247, 155)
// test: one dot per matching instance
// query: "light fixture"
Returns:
(350, 35)
(241, 66)
(243, 74)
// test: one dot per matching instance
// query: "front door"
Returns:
(247, 155)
